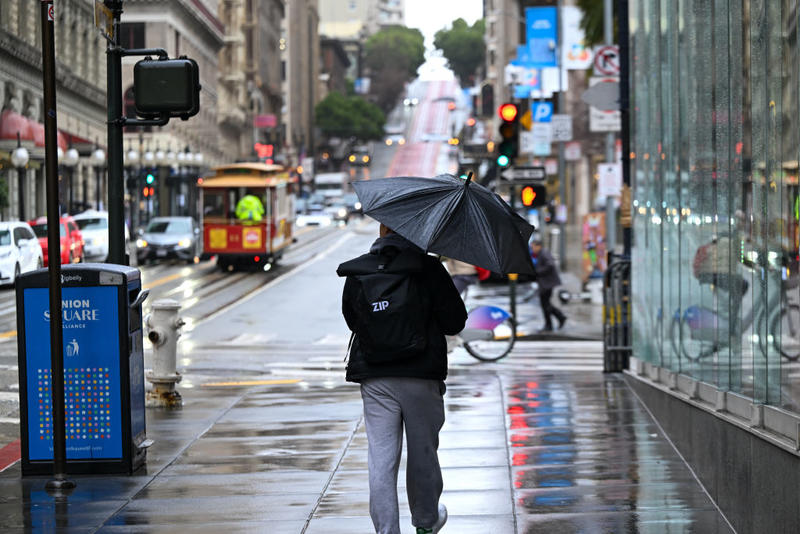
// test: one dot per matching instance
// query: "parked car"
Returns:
(316, 216)
(71, 239)
(94, 227)
(20, 251)
(170, 237)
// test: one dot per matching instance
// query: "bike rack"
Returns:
(617, 332)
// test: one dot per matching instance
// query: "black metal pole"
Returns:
(70, 191)
(512, 280)
(20, 192)
(99, 179)
(623, 32)
(116, 190)
(59, 481)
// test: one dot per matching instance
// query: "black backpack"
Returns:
(392, 307)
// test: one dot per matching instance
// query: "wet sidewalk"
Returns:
(522, 452)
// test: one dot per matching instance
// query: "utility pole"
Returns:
(611, 216)
(116, 190)
(59, 484)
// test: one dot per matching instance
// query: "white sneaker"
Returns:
(442, 519)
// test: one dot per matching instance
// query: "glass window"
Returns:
(95, 223)
(172, 226)
(5, 238)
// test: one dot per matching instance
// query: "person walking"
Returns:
(547, 278)
(399, 303)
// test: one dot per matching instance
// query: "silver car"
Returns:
(170, 238)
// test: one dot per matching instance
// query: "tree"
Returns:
(464, 48)
(592, 21)
(393, 56)
(338, 115)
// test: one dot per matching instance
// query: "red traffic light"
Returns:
(528, 195)
(507, 112)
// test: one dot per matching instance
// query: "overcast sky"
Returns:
(431, 16)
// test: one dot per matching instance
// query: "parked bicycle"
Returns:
(489, 334)
(699, 331)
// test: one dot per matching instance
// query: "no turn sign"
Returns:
(606, 60)
(50, 12)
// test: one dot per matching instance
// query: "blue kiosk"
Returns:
(103, 369)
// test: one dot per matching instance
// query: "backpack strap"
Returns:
(349, 346)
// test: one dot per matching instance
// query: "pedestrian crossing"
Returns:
(313, 362)
(542, 356)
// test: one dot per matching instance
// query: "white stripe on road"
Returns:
(9, 396)
(9, 420)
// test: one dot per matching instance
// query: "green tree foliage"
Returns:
(343, 116)
(464, 48)
(592, 21)
(393, 56)
(3, 194)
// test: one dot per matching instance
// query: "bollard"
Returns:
(163, 325)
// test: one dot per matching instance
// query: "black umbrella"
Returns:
(452, 217)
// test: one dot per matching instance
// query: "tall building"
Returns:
(250, 97)
(301, 63)
(183, 28)
(80, 88)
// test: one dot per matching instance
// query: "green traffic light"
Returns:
(502, 160)
(150, 179)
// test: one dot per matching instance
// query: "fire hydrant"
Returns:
(163, 325)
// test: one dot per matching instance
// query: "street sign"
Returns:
(572, 151)
(606, 60)
(104, 20)
(609, 181)
(561, 127)
(542, 132)
(542, 149)
(542, 111)
(603, 95)
(524, 174)
(604, 121)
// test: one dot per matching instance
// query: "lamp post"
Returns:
(131, 161)
(98, 160)
(20, 158)
(69, 161)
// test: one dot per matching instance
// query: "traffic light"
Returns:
(533, 196)
(150, 178)
(508, 148)
(166, 87)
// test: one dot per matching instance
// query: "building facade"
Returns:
(80, 88)
(301, 64)
(250, 96)
(183, 28)
(715, 143)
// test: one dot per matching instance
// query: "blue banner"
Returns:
(541, 36)
(91, 373)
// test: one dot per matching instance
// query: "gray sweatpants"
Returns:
(389, 404)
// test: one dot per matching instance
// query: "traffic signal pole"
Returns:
(611, 217)
(562, 178)
(116, 186)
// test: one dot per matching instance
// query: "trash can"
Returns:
(103, 369)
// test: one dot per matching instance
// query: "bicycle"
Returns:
(489, 333)
(697, 330)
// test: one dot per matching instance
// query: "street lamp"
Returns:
(20, 158)
(98, 160)
(69, 161)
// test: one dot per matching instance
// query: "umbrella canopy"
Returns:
(452, 217)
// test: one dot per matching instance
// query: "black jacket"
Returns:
(546, 271)
(449, 316)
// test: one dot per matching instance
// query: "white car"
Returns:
(94, 228)
(20, 251)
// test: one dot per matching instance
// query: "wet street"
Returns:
(270, 437)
